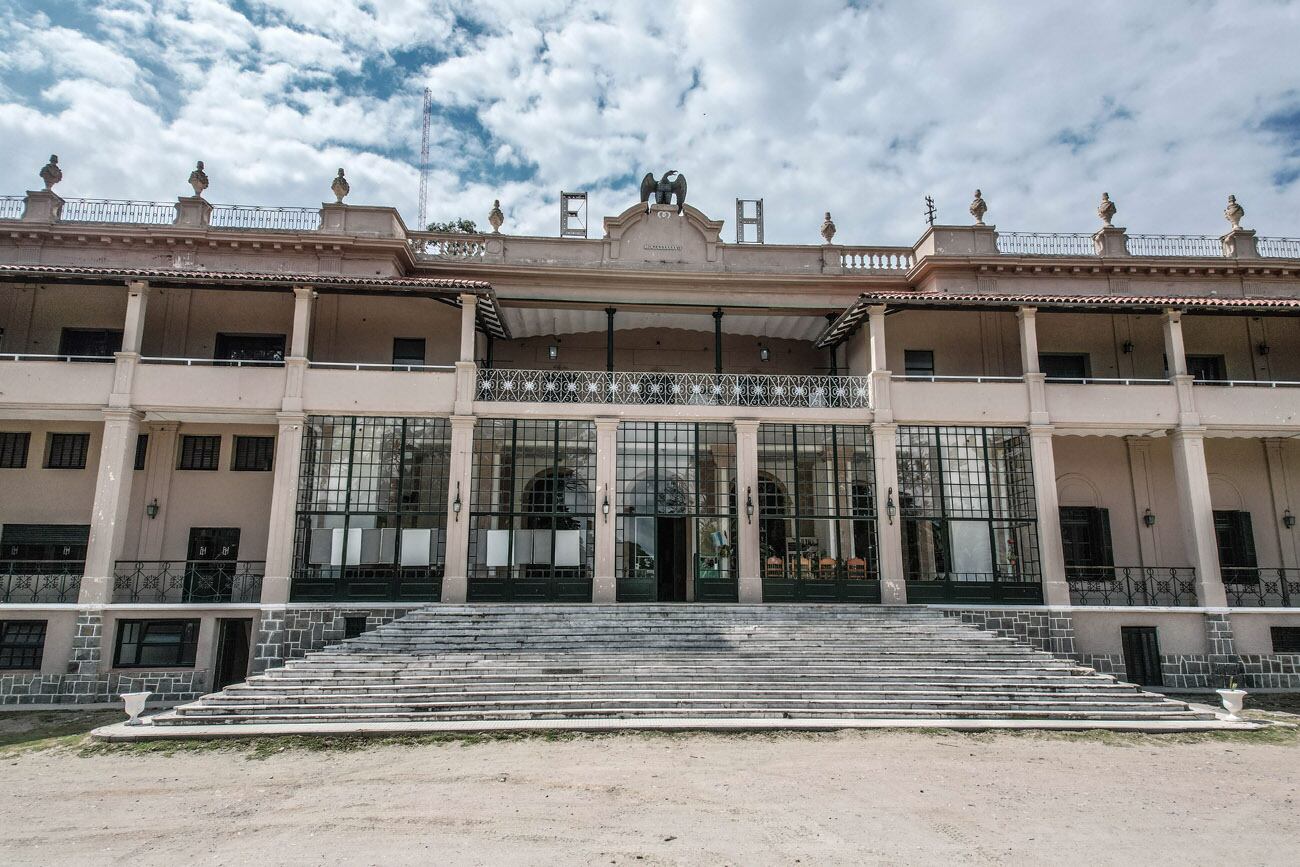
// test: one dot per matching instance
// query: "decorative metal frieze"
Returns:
(1262, 588)
(673, 389)
(1132, 585)
(193, 581)
(117, 211)
(40, 581)
(448, 247)
(265, 219)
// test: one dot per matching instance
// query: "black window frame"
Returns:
(141, 451)
(263, 348)
(71, 448)
(14, 447)
(1286, 639)
(1086, 527)
(187, 647)
(1234, 542)
(252, 454)
(189, 451)
(405, 358)
(1195, 362)
(110, 338)
(17, 654)
(913, 364)
(1082, 359)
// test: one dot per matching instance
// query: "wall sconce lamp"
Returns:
(749, 505)
(764, 354)
(890, 509)
(552, 352)
(1262, 349)
(1128, 347)
(455, 504)
(604, 507)
(152, 509)
(1148, 518)
(1288, 520)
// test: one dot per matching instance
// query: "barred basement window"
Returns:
(354, 626)
(141, 450)
(22, 644)
(199, 452)
(66, 451)
(156, 643)
(13, 449)
(253, 453)
(1286, 639)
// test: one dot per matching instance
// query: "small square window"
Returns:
(1286, 639)
(354, 626)
(408, 350)
(22, 645)
(141, 450)
(66, 451)
(156, 643)
(253, 453)
(199, 452)
(918, 362)
(13, 449)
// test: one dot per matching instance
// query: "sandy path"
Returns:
(686, 799)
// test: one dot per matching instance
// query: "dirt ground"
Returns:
(833, 798)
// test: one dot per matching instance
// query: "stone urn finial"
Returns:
(978, 208)
(1234, 212)
(828, 228)
(199, 179)
(51, 174)
(495, 217)
(340, 188)
(1106, 210)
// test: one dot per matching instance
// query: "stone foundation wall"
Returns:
(173, 686)
(1044, 629)
(291, 633)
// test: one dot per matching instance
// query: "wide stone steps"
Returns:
(494, 664)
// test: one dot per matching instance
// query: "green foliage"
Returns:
(461, 227)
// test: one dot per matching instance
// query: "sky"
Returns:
(857, 108)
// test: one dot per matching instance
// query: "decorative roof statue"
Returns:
(1106, 210)
(495, 217)
(828, 228)
(199, 179)
(664, 189)
(978, 208)
(51, 173)
(1234, 212)
(340, 188)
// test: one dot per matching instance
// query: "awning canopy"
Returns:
(542, 321)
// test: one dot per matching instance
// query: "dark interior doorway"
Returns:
(231, 666)
(671, 560)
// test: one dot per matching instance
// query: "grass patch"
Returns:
(26, 731)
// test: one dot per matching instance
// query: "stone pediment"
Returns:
(661, 236)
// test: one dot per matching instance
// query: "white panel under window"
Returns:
(540, 546)
(568, 547)
(416, 547)
(498, 547)
(971, 551)
(354, 546)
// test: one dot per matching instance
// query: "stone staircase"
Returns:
(494, 664)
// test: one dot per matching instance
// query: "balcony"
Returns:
(204, 383)
(378, 389)
(1261, 588)
(673, 389)
(55, 380)
(169, 582)
(40, 581)
(999, 400)
(1240, 403)
(1101, 401)
(1169, 586)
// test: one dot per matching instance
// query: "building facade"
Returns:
(230, 435)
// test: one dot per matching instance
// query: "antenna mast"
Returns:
(424, 159)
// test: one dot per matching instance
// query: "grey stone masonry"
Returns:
(87, 643)
(1042, 628)
(292, 632)
(169, 686)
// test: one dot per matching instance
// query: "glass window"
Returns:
(13, 449)
(90, 342)
(918, 362)
(1206, 368)
(408, 350)
(156, 643)
(250, 347)
(141, 450)
(253, 453)
(22, 644)
(199, 452)
(66, 451)
(1067, 366)
(1236, 543)
(1085, 540)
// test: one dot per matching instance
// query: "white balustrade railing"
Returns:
(265, 219)
(362, 366)
(1046, 244)
(12, 207)
(117, 211)
(673, 389)
(448, 246)
(1281, 248)
(1174, 245)
(876, 258)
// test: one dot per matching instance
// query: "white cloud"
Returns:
(818, 107)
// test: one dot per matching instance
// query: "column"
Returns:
(112, 502)
(126, 360)
(717, 340)
(1193, 483)
(1176, 358)
(1281, 501)
(1035, 380)
(278, 576)
(604, 587)
(750, 578)
(881, 404)
(295, 366)
(466, 371)
(455, 582)
(1051, 554)
(893, 584)
(609, 338)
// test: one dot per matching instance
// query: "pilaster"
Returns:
(1139, 462)
(160, 459)
(278, 576)
(750, 585)
(1193, 484)
(1051, 555)
(884, 445)
(604, 587)
(882, 405)
(455, 582)
(1281, 501)
(112, 502)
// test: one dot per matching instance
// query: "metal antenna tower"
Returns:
(424, 160)
(743, 220)
(930, 213)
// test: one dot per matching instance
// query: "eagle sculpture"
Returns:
(664, 189)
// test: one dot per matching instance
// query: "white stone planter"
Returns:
(1232, 701)
(135, 706)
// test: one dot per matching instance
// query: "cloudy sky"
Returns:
(860, 108)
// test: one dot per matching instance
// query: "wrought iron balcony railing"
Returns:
(1046, 244)
(40, 581)
(192, 581)
(117, 211)
(265, 219)
(12, 207)
(1132, 585)
(1174, 245)
(1261, 588)
(1279, 248)
(673, 389)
